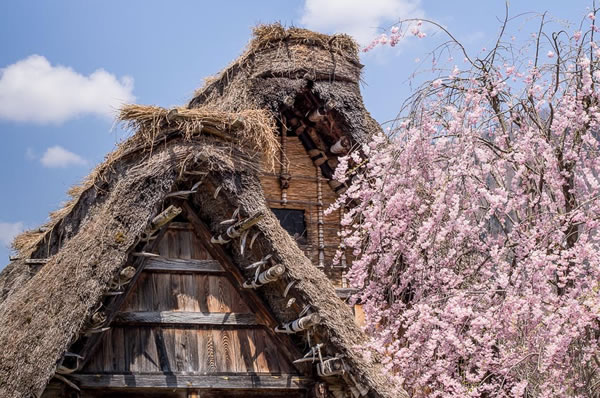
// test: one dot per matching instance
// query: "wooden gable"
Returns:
(183, 328)
(310, 145)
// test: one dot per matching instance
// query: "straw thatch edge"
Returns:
(268, 36)
(254, 129)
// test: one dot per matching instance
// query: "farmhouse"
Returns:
(196, 260)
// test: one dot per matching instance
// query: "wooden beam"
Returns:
(184, 318)
(162, 219)
(36, 261)
(193, 381)
(186, 226)
(237, 279)
(111, 310)
(183, 266)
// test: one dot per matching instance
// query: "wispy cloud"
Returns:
(33, 90)
(57, 156)
(9, 230)
(359, 18)
(30, 154)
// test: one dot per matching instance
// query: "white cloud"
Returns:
(8, 231)
(33, 90)
(57, 156)
(359, 18)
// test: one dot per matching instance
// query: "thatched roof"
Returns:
(88, 241)
(280, 65)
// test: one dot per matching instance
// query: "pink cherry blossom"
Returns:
(475, 230)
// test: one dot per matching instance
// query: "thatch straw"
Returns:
(266, 36)
(250, 129)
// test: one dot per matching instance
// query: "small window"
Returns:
(292, 220)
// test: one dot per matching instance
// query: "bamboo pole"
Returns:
(320, 233)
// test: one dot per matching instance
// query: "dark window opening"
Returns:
(292, 220)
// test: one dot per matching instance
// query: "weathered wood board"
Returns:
(184, 315)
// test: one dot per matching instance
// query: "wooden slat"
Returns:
(180, 225)
(36, 261)
(184, 318)
(237, 279)
(183, 266)
(138, 263)
(192, 381)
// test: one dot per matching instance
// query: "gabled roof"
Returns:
(91, 240)
(224, 133)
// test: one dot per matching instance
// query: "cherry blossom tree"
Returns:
(475, 222)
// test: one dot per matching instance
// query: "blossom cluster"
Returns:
(475, 230)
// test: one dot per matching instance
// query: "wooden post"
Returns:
(321, 238)
(162, 219)
(284, 177)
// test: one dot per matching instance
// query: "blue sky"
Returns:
(65, 66)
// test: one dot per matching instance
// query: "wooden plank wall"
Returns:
(302, 194)
(230, 347)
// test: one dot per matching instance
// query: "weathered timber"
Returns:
(331, 367)
(193, 381)
(138, 263)
(268, 276)
(184, 318)
(183, 266)
(237, 279)
(299, 324)
(36, 261)
(162, 219)
(144, 254)
(180, 225)
(236, 230)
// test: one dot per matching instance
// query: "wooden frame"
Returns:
(193, 381)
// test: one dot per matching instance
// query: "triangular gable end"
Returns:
(185, 325)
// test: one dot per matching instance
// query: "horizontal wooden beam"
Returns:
(192, 381)
(185, 318)
(159, 264)
(294, 176)
(36, 261)
(186, 226)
